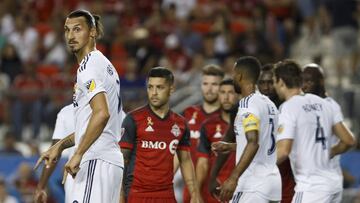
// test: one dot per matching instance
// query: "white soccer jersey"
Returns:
(65, 123)
(95, 75)
(262, 176)
(338, 117)
(308, 119)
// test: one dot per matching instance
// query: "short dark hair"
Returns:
(250, 65)
(161, 72)
(267, 67)
(290, 72)
(91, 21)
(213, 70)
(227, 81)
(316, 70)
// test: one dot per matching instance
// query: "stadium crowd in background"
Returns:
(37, 73)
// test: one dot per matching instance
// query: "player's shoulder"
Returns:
(91, 62)
(67, 110)
(332, 102)
(140, 111)
(191, 109)
(245, 102)
(177, 117)
(214, 119)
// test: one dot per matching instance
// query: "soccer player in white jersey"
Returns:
(64, 126)
(305, 127)
(314, 82)
(255, 177)
(97, 162)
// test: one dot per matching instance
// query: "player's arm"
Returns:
(98, 120)
(202, 165)
(283, 149)
(347, 139)
(221, 157)
(127, 142)
(251, 125)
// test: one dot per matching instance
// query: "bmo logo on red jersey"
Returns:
(160, 145)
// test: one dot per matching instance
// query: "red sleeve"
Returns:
(129, 137)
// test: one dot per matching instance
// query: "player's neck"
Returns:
(84, 51)
(225, 116)
(292, 92)
(161, 111)
(209, 108)
(247, 89)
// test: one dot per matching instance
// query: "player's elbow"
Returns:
(351, 142)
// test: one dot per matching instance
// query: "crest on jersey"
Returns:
(218, 131)
(193, 118)
(90, 85)
(280, 129)
(175, 130)
(149, 123)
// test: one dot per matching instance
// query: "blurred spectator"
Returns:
(133, 90)
(175, 54)
(10, 62)
(344, 30)
(7, 17)
(25, 39)
(141, 49)
(4, 84)
(54, 45)
(189, 40)
(223, 37)
(28, 89)
(182, 7)
(4, 196)
(9, 141)
(25, 182)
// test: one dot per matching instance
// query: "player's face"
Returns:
(265, 84)
(77, 33)
(158, 91)
(279, 87)
(236, 79)
(210, 88)
(227, 97)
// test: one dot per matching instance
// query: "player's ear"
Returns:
(172, 89)
(93, 32)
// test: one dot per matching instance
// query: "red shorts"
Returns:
(132, 199)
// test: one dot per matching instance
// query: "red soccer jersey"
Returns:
(214, 130)
(154, 142)
(195, 116)
(288, 182)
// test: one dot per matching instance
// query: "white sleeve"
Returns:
(287, 123)
(60, 128)
(337, 114)
(92, 78)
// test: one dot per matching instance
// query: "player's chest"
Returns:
(195, 120)
(216, 131)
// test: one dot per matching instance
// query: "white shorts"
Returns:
(316, 197)
(248, 197)
(68, 187)
(97, 181)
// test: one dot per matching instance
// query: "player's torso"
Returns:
(262, 170)
(216, 129)
(156, 144)
(311, 146)
(96, 71)
(195, 116)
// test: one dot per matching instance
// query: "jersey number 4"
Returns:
(272, 148)
(319, 134)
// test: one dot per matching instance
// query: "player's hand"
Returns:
(72, 166)
(214, 189)
(50, 156)
(223, 147)
(227, 189)
(40, 196)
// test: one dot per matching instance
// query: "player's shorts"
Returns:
(249, 197)
(135, 199)
(68, 187)
(317, 197)
(97, 181)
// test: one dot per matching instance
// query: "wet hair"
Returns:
(290, 72)
(161, 72)
(213, 70)
(250, 66)
(93, 21)
(227, 81)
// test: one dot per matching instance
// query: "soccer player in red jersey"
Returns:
(212, 75)
(213, 130)
(153, 134)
